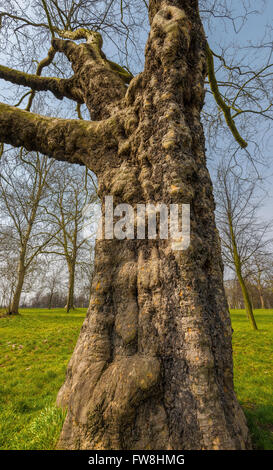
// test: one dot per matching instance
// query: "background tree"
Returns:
(65, 211)
(269, 283)
(22, 192)
(147, 146)
(52, 274)
(242, 235)
(7, 271)
(260, 270)
(84, 275)
(234, 293)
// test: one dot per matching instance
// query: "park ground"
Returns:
(34, 351)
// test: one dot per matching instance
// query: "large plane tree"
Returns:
(152, 368)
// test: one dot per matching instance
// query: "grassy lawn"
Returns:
(36, 346)
(253, 373)
(34, 350)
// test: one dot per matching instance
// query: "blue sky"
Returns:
(223, 33)
(255, 29)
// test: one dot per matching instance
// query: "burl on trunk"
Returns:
(152, 368)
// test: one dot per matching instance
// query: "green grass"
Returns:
(253, 373)
(34, 350)
(36, 346)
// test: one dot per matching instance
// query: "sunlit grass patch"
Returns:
(34, 351)
(253, 373)
(36, 346)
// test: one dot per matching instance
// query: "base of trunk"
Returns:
(153, 370)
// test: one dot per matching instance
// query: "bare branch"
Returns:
(59, 87)
(74, 141)
(219, 100)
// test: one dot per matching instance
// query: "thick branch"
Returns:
(103, 83)
(94, 39)
(74, 141)
(59, 87)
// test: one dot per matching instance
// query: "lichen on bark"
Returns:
(152, 368)
(149, 303)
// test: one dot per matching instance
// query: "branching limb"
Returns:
(74, 141)
(22, 98)
(44, 63)
(102, 83)
(219, 100)
(25, 21)
(59, 87)
(94, 39)
(78, 109)
(91, 37)
(50, 25)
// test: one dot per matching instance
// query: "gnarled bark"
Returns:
(74, 141)
(152, 368)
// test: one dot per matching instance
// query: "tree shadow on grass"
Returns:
(260, 422)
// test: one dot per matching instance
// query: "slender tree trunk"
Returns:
(23, 265)
(71, 285)
(260, 289)
(262, 300)
(152, 368)
(50, 300)
(238, 267)
(14, 307)
(247, 301)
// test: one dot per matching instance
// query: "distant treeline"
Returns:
(261, 296)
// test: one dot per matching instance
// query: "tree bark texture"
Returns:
(152, 368)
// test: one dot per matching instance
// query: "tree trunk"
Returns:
(152, 368)
(14, 307)
(50, 300)
(71, 284)
(260, 289)
(238, 268)
(247, 301)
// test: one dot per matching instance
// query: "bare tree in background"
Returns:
(234, 293)
(69, 197)
(269, 281)
(242, 235)
(22, 190)
(8, 274)
(260, 270)
(153, 365)
(51, 278)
